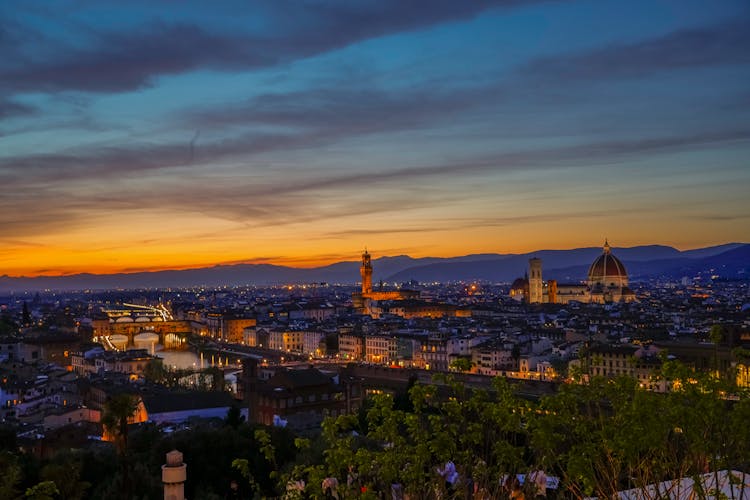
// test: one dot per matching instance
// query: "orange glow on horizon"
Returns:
(189, 241)
(31, 264)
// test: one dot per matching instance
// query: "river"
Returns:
(189, 359)
(179, 359)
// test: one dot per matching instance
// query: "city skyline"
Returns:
(144, 137)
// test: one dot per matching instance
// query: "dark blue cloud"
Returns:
(146, 159)
(726, 43)
(10, 108)
(129, 59)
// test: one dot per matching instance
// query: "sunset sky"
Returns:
(140, 135)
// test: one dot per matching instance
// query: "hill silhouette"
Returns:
(642, 262)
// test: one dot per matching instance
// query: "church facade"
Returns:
(607, 282)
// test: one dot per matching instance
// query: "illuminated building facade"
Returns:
(607, 281)
(365, 300)
(351, 347)
(380, 349)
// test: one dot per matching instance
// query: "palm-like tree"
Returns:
(117, 410)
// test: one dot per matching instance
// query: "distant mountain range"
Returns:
(643, 262)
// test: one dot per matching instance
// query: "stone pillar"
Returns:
(173, 476)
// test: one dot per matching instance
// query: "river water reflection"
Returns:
(189, 359)
(179, 359)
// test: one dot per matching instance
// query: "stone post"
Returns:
(173, 475)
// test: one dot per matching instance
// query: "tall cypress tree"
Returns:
(26, 315)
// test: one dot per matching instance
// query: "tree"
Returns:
(25, 315)
(117, 410)
(217, 378)
(706, 420)
(515, 353)
(479, 432)
(234, 417)
(155, 371)
(7, 325)
(596, 436)
(142, 483)
(716, 335)
(46, 490)
(274, 459)
(461, 364)
(611, 435)
(10, 475)
(7, 438)
(66, 477)
(98, 465)
(599, 438)
(209, 453)
(742, 369)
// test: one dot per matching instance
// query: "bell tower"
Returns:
(535, 281)
(366, 271)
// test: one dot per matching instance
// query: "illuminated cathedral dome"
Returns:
(607, 271)
(519, 290)
(520, 284)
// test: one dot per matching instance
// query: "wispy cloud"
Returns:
(342, 106)
(42, 199)
(103, 163)
(10, 108)
(129, 59)
(717, 217)
(448, 224)
(720, 44)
